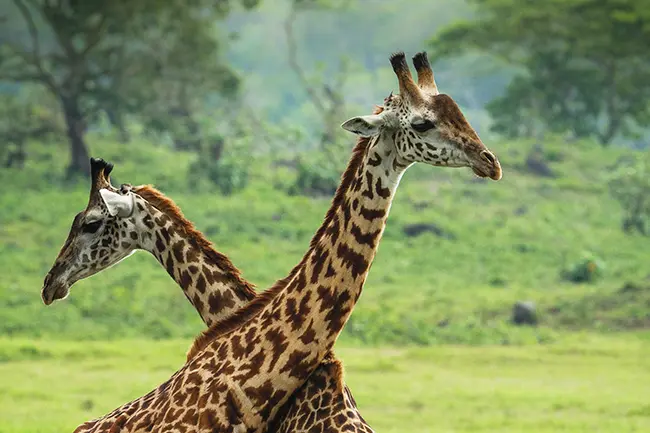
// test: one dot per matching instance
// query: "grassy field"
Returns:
(585, 384)
(497, 242)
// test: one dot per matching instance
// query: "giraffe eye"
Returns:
(423, 125)
(91, 227)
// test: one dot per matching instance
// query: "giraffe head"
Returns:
(426, 125)
(100, 236)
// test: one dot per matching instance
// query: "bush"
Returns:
(587, 269)
(630, 186)
(319, 173)
(228, 171)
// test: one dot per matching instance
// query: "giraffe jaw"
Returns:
(54, 291)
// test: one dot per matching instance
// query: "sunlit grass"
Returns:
(585, 384)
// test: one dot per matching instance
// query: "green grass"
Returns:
(509, 240)
(585, 384)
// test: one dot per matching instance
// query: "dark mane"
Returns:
(250, 310)
(165, 205)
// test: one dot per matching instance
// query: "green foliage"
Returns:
(25, 115)
(318, 173)
(48, 386)
(120, 57)
(229, 172)
(630, 186)
(589, 76)
(585, 270)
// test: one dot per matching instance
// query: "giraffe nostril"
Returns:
(488, 157)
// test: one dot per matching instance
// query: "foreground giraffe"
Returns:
(98, 241)
(243, 369)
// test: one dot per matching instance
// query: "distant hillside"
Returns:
(458, 251)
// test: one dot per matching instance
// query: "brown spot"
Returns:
(265, 397)
(365, 238)
(374, 160)
(192, 254)
(368, 191)
(219, 301)
(147, 221)
(165, 233)
(372, 214)
(356, 262)
(308, 336)
(200, 283)
(178, 251)
(382, 192)
(330, 269)
(169, 265)
(318, 261)
(185, 280)
(208, 275)
(279, 342)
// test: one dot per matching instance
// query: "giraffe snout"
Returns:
(53, 289)
(487, 165)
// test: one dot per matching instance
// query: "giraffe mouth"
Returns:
(494, 173)
(487, 166)
(53, 292)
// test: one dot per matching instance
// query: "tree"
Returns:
(25, 115)
(104, 51)
(590, 76)
(630, 186)
(325, 96)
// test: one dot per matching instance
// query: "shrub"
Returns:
(630, 186)
(318, 173)
(585, 270)
(227, 170)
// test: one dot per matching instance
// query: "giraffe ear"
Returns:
(117, 204)
(365, 126)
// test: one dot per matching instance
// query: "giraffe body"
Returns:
(159, 227)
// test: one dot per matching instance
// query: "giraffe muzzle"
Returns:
(487, 166)
(53, 289)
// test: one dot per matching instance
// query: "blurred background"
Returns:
(519, 305)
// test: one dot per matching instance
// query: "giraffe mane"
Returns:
(165, 205)
(253, 308)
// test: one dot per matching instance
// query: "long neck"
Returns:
(308, 313)
(338, 264)
(278, 340)
(208, 279)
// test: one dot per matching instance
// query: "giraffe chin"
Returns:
(494, 173)
(51, 294)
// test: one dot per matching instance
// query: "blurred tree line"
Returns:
(160, 68)
(157, 61)
(583, 66)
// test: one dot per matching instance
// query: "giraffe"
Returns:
(242, 370)
(159, 227)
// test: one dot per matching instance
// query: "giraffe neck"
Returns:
(208, 279)
(281, 336)
(335, 271)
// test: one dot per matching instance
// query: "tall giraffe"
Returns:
(243, 369)
(159, 227)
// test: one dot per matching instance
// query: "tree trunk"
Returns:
(611, 110)
(76, 129)
(117, 121)
(16, 157)
(613, 125)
